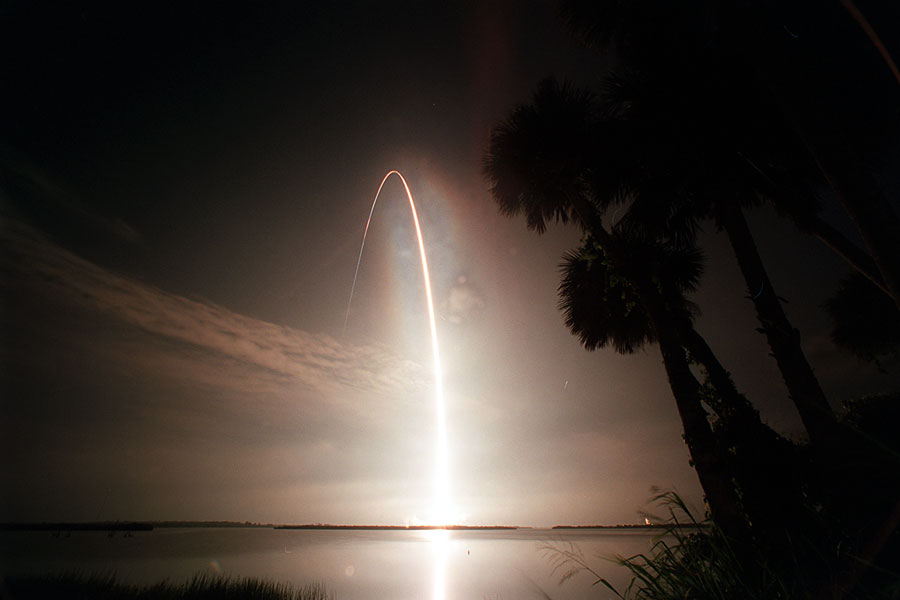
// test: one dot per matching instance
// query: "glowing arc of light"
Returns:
(441, 475)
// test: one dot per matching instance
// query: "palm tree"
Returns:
(602, 307)
(566, 158)
(535, 164)
(627, 293)
(825, 98)
(538, 158)
(683, 171)
(545, 162)
(771, 54)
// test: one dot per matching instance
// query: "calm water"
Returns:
(354, 565)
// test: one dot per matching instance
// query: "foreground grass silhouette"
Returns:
(200, 587)
(694, 560)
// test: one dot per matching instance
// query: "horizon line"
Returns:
(124, 525)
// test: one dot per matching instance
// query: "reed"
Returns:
(690, 559)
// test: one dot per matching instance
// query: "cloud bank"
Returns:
(123, 400)
(318, 361)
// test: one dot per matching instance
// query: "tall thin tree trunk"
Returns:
(783, 339)
(761, 461)
(711, 466)
(737, 406)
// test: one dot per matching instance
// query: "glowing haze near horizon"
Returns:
(181, 192)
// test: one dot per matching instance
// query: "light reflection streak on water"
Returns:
(440, 542)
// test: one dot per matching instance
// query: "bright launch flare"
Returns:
(441, 505)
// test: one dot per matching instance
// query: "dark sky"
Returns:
(184, 190)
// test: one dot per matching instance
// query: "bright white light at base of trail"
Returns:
(442, 513)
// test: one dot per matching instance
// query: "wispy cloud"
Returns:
(318, 361)
(123, 400)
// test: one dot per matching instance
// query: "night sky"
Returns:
(183, 193)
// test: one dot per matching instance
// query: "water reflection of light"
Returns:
(440, 544)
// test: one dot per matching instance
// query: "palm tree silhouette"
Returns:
(685, 168)
(534, 166)
(602, 306)
(626, 303)
(743, 102)
(822, 97)
(568, 157)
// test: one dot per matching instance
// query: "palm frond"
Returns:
(537, 160)
(599, 306)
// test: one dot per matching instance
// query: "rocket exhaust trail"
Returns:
(441, 474)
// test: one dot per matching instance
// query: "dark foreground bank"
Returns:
(200, 587)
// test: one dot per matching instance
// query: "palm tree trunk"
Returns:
(737, 406)
(758, 460)
(711, 468)
(783, 339)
